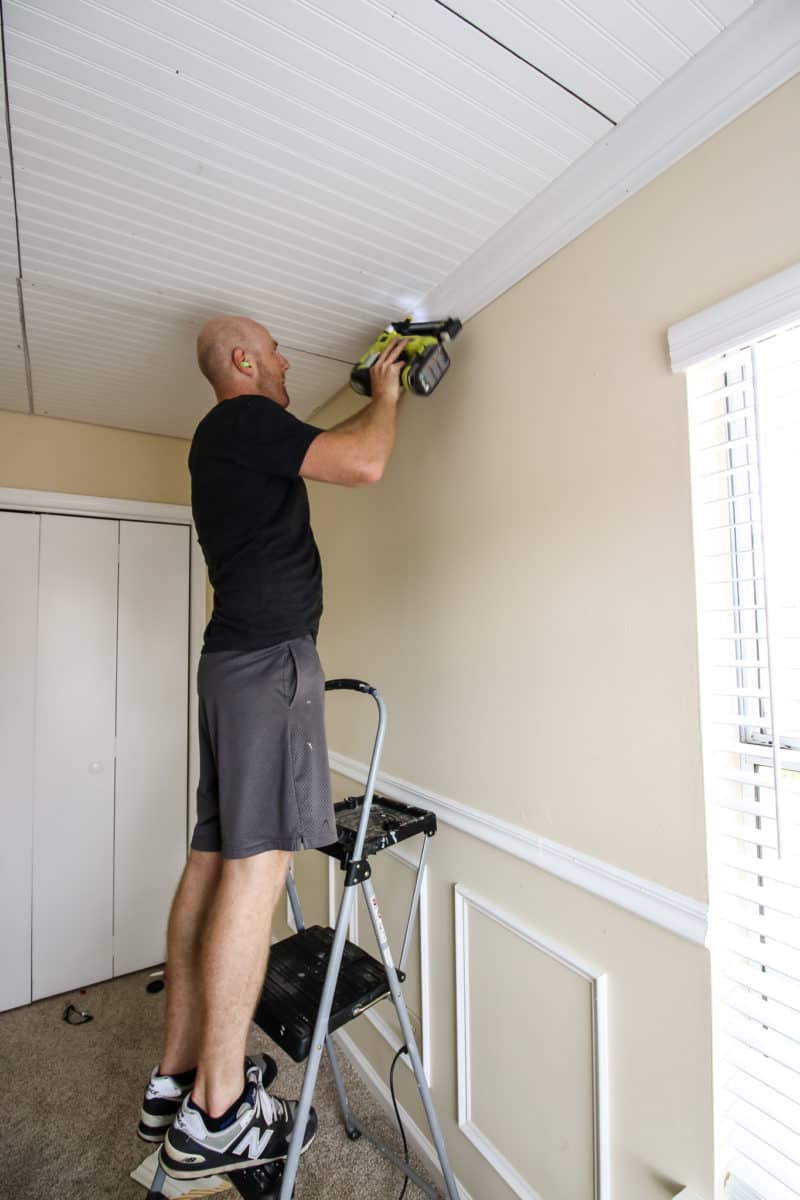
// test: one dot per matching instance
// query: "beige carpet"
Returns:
(70, 1099)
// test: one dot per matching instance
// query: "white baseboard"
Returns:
(380, 1091)
(673, 911)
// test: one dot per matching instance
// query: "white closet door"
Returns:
(19, 569)
(74, 774)
(152, 711)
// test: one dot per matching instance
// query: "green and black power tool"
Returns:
(425, 356)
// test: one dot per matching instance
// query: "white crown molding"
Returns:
(755, 312)
(671, 910)
(742, 65)
(464, 901)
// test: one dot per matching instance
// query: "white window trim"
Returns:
(735, 323)
(750, 314)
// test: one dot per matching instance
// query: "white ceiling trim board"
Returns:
(746, 62)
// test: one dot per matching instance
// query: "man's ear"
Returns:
(240, 360)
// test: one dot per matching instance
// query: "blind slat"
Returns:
(742, 826)
(774, 1045)
(740, 442)
(774, 896)
(780, 1079)
(745, 693)
(772, 1161)
(768, 983)
(754, 755)
(772, 926)
(748, 1181)
(763, 1126)
(767, 1012)
(753, 779)
(764, 868)
(754, 808)
(765, 1099)
(748, 947)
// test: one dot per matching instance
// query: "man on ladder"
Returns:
(264, 787)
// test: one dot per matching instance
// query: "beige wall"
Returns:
(520, 588)
(43, 454)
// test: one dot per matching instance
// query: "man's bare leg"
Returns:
(183, 1023)
(234, 962)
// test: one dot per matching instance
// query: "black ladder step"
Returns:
(259, 1183)
(290, 998)
(390, 822)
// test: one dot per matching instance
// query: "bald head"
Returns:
(238, 356)
(216, 342)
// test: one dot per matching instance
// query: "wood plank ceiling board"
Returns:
(13, 382)
(613, 55)
(322, 167)
(132, 367)
(322, 174)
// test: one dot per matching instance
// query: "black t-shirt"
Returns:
(251, 513)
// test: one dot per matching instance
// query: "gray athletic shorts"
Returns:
(264, 774)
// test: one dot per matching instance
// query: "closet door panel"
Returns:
(19, 568)
(152, 710)
(74, 757)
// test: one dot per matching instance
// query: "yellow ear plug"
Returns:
(244, 363)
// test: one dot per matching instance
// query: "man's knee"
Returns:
(266, 871)
(206, 862)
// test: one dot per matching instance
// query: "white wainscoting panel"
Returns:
(465, 901)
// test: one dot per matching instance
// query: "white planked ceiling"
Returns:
(13, 386)
(320, 166)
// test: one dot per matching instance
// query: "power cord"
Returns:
(402, 1050)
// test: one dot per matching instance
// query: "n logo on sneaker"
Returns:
(252, 1142)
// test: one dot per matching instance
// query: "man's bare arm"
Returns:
(355, 452)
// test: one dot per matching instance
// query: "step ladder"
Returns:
(317, 980)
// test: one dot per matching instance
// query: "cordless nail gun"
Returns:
(425, 356)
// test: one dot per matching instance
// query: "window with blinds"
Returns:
(745, 447)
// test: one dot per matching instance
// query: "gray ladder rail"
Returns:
(321, 1038)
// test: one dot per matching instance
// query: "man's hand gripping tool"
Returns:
(425, 356)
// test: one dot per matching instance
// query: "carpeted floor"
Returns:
(70, 1100)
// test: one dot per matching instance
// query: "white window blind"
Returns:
(745, 446)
